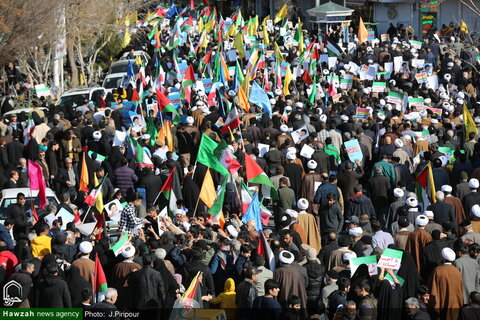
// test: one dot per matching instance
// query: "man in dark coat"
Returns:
(148, 285)
(273, 158)
(359, 204)
(379, 185)
(431, 254)
(322, 159)
(52, 290)
(294, 172)
(17, 212)
(152, 185)
(349, 178)
(246, 292)
(63, 183)
(15, 149)
(111, 296)
(443, 212)
(190, 270)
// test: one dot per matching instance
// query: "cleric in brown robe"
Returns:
(308, 187)
(446, 288)
(291, 280)
(309, 225)
(120, 274)
(456, 203)
(418, 239)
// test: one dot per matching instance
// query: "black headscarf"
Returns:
(171, 284)
(409, 272)
(389, 299)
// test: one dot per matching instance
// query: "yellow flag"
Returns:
(126, 38)
(463, 27)
(149, 16)
(246, 84)
(281, 14)
(278, 53)
(288, 79)
(232, 31)
(200, 24)
(362, 32)
(207, 193)
(238, 44)
(255, 25)
(138, 60)
(469, 122)
(265, 19)
(209, 25)
(243, 99)
(99, 200)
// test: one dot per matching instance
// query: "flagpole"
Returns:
(86, 214)
(196, 206)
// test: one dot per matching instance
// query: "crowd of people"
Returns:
(287, 246)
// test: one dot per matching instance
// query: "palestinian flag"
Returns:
(226, 157)
(255, 174)
(141, 157)
(425, 186)
(169, 194)
(232, 121)
(188, 80)
(100, 282)
(187, 25)
(164, 104)
(333, 48)
(120, 244)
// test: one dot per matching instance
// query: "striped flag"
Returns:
(120, 244)
(425, 186)
(332, 47)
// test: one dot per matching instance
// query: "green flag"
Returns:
(207, 157)
(152, 131)
(311, 98)
(218, 204)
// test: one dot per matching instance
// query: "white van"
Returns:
(9, 196)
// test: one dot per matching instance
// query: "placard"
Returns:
(65, 216)
(432, 82)
(370, 261)
(207, 85)
(416, 102)
(114, 210)
(384, 37)
(421, 77)
(416, 44)
(332, 62)
(388, 67)
(119, 138)
(307, 151)
(362, 113)
(346, 84)
(390, 259)
(379, 86)
(175, 99)
(283, 68)
(353, 150)
(263, 148)
(397, 63)
(395, 97)
(42, 90)
(300, 134)
(437, 111)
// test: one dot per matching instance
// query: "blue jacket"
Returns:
(322, 192)
(125, 178)
(5, 236)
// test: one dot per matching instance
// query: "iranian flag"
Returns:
(164, 104)
(120, 244)
(141, 157)
(266, 251)
(331, 87)
(232, 122)
(425, 186)
(27, 134)
(100, 282)
(226, 157)
(95, 196)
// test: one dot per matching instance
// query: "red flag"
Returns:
(102, 102)
(306, 77)
(189, 77)
(161, 12)
(135, 95)
(331, 86)
(100, 224)
(265, 250)
(192, 4)
(37, 182)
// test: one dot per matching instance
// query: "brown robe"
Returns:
(291, 283)
(446, 295)
(312, 234)
(87, 269)
(458, 210)
(476, 226)
(308, 190)
(416, 241)
(120, 274)
(400, 238)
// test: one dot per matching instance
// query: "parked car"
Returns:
(113, 81)
(77, 96)
(9, 196)
(143, 54)
(122, 67)
(19, 111)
